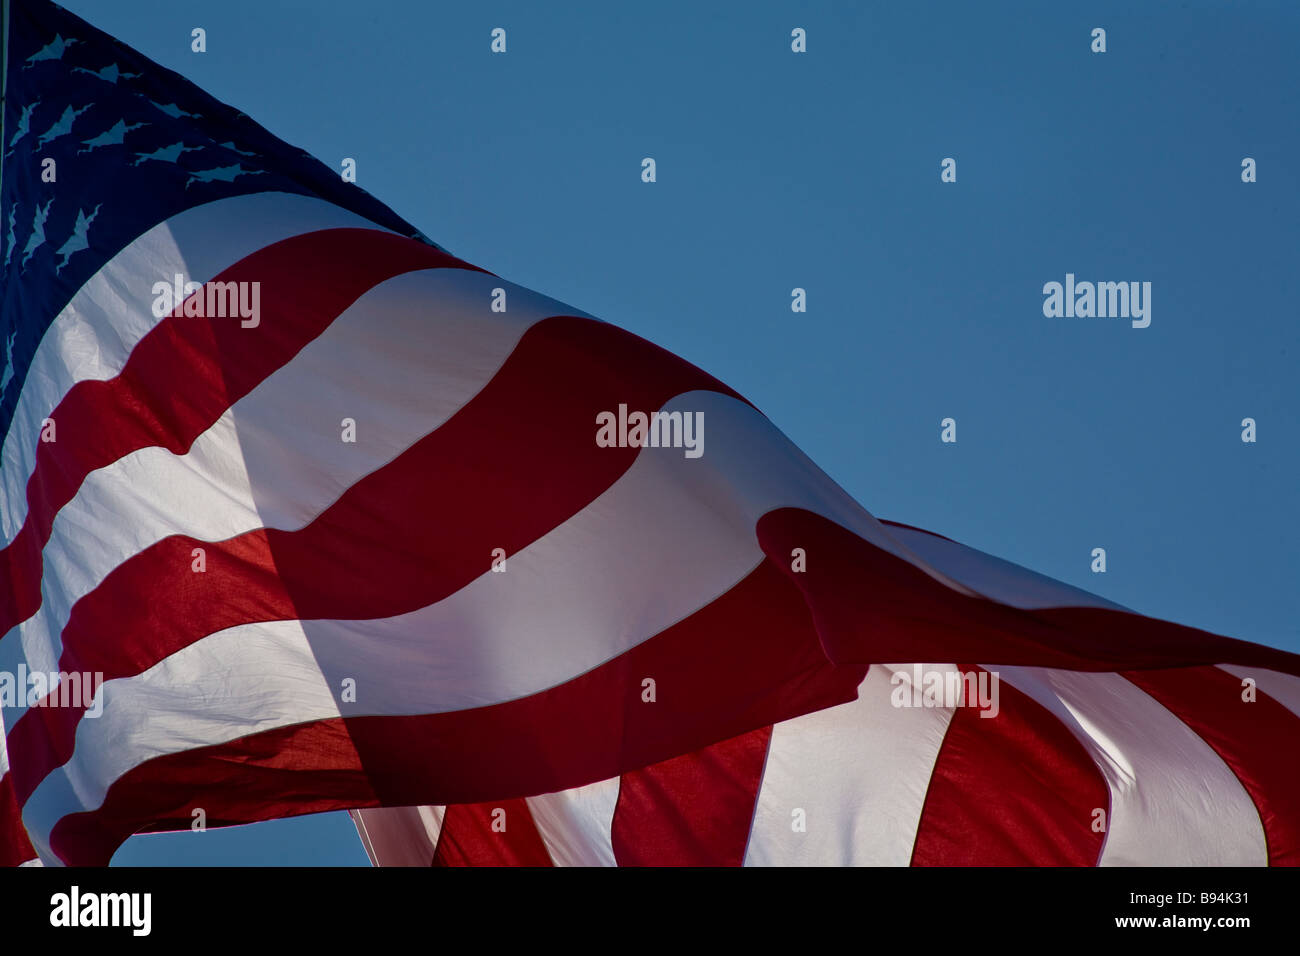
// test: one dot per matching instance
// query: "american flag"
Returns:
(382, 533)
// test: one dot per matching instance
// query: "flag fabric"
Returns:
(303, 513)
(1064, 765)
(15, 848)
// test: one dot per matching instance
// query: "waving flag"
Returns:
(1066, 762)
(303, 513)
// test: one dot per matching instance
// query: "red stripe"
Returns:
(183, 375)
(746, 660)
(1259, 741)
(906, 615)
(1018, 789)
(693, 810)
(517, 460)
(15, 847)
(500, 833)
(285, 772)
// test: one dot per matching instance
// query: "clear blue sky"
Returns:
(821, 170)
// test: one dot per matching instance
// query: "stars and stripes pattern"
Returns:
(288, 622)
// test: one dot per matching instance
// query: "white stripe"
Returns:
(577, 825)
(95, 333)
(1283, 688)
(399, 836)
(995, 578)
(858, 772)
(1174, 802)
(253, 681)
(359, 823)
(670, 536)
(4, 749)
(400, 361)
